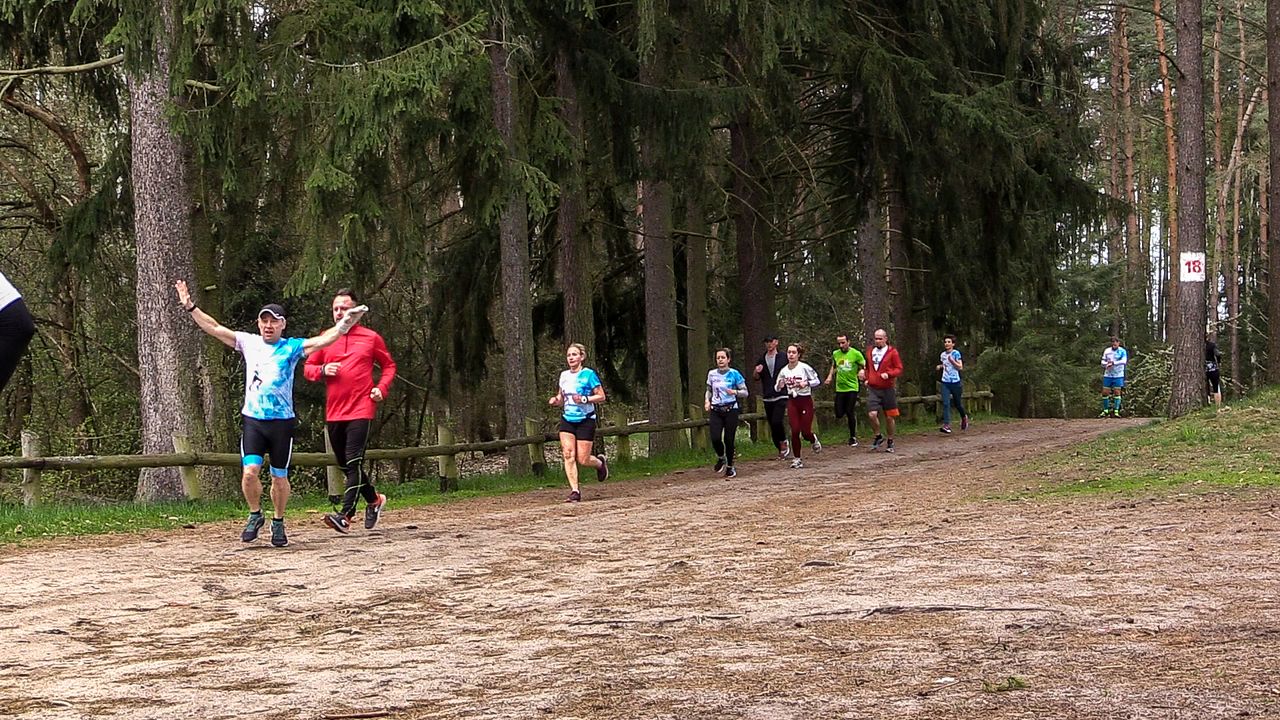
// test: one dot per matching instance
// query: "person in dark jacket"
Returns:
(768, 365)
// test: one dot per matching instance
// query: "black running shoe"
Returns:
(729, 472)
(719, 464)
(374, 511)
(602, 472)
(251, 528)
(889, 446)
(338, 522)
(853, 442)
(876, 441)
(574, 496)
(278, 538)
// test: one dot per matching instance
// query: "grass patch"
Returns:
(19, 524)
(1206, 450)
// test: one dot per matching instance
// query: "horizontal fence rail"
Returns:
(315, 459)
(32, 462)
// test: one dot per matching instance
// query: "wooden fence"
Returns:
(32, 462)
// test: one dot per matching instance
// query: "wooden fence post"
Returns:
(762, 425)
(30, 476)
(624, 444)
(700, 436)
(335, 481)
(448, 463)
(190, 474)
(537, 456)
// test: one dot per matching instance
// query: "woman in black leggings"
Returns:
(724, 388)
(16, 329)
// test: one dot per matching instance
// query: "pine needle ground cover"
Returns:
(1235, 447)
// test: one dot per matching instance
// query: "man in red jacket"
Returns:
(346, 367)
(882, 371)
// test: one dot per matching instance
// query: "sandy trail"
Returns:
(864, 586)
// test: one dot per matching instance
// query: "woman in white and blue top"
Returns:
(725, 386)
(578, 392)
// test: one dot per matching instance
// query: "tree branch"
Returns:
(59, 128)
(47, 217)
(65, 69)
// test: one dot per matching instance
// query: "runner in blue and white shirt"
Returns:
(725, 386)
(578, 391)
(269, 360)
(951, 363)
(1114, 361)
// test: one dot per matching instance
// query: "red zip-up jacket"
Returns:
(347, 393)
(891, 363)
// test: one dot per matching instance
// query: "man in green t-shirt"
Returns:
(847, 365)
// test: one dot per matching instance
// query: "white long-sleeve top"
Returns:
(798, 381)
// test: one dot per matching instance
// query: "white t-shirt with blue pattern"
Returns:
(268, 375)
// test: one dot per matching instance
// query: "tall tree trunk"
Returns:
(1234, 278)
(905, 335)
(871, 267)
(1188, 318)
(1115, 192)
(1171, 163)
(698, 358)
(573, 269)
(661, 340)
(513, 231)
(1216, 260)
(168, 342)
(754, 240)
(1134, 276)
(1273, 188)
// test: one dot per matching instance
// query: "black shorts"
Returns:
(846, 402)
(1214, 379)
(582, 430)
(272, 438)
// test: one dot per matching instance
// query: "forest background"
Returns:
(652, 179)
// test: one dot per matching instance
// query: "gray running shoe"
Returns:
(817, 445)
(797, 464)
(278, 538)
(876, 442)
(251, 528)
(374, 511)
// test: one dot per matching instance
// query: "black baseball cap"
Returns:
(272, 309)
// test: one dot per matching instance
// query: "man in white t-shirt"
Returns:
(267, 414)
(16, 329)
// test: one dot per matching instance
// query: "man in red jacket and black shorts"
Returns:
(351, 401)
(883, 368)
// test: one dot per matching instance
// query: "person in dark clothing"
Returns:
(16, 329)
(775, 401)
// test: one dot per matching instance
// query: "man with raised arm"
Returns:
(351, 401)
(269, 360)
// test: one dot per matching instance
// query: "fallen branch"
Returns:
(654, 621)
(902, 609)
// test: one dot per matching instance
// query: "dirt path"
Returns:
(864, 586)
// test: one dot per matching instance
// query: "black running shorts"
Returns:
(273, 438)
(583, 430)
